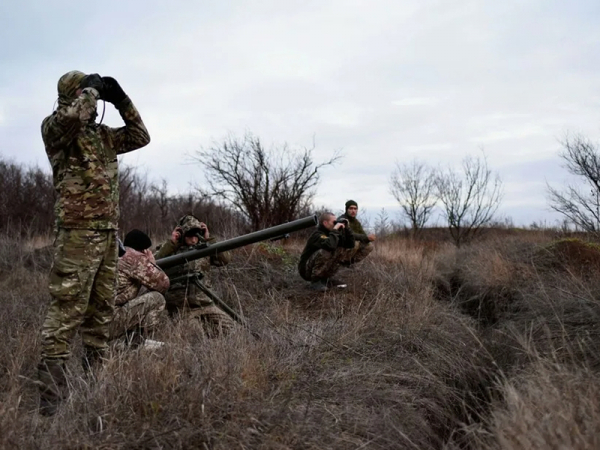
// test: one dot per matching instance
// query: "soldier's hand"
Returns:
(338, 226)
(94, 81)
(176, 235)
(150, 255)
(204, 230)
(371, 237)
(113, 92)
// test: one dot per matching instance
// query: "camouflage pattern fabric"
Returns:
(146, 312)
(185, 297)
(214, 321)
(186, 294)
(329, 241)
(83, 155)
(68, 85)
(360, 251)
(134, 271)
(357, 229)
(190, 224)
(325, 264)
(82, 285)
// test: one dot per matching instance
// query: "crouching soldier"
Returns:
(140, 303)
(362, 240)
(190, 293)
(330, 244)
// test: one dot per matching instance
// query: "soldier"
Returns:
(331, 243)
(140, 304)
(82, 284)
(188, 294)
(362, 246)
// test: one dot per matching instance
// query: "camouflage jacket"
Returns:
(202, 265)
(83, 156)
(356, 227)
(135, 270)
(323, 239)
(190, 224)
(185, 293)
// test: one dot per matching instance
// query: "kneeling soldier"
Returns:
(330, 244)
(140, 303)
(362, 245)
(189, 293)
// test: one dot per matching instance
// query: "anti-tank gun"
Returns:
(207, 249)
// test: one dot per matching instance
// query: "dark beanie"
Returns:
(350, 203)
(137, 240)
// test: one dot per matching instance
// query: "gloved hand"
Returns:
(93, 80)
(113, 92)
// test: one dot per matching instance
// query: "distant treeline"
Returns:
(27, 199)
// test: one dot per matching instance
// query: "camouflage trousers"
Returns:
(361, 251)
(214, 321)
(195, 306)
(325, 264)
(83, 286)
(146, 312)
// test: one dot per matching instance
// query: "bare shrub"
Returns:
(413, 187)
(28, 196)
(267, 187)
(469, 198)
(26, 199)
(580, 205)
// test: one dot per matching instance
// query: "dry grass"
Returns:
(548, 407)
(429, 347)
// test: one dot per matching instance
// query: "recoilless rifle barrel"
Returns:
(240, 241)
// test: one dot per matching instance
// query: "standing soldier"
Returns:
(83, 155)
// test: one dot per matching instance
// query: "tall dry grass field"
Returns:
(493, 345)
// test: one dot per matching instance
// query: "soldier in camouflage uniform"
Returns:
(362, 246)
(329, 245)
(83, 156)
(185, 296)
(140, 301)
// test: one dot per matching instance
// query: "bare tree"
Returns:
(383, 226)
(579, 204)
(268, 187)
(469, 198)
(413, 186)
(26, 199)
(161, 197)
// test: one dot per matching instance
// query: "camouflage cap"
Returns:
(189, 225)
(68, 85)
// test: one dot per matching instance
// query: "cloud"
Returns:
(501, 135)
(383, 81)
(416, 101)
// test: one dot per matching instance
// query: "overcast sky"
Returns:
(382, 81)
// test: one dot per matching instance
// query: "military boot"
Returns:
(52, 384)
